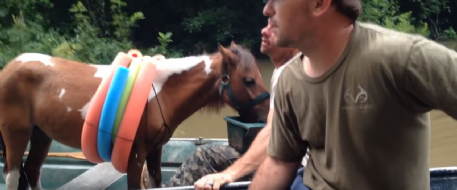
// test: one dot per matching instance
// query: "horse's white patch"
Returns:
(62, 92)
(168, 67)
(102, 70)
(68, 109)
(27, 57)
(165, 68)
(207, 64)
(85, 109)
(12, 179)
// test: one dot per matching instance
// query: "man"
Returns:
(212, 164)
(358, 100)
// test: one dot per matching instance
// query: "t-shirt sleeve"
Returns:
(285, 140)
(273, 82)
(272, 94)
(430, 77)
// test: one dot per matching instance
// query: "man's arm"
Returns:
(286, 147)
(255, 155)
(430, 78)
(274, 174)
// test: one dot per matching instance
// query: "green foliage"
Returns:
(94, 31)
(26, 36)
(386, 13)
(121, 21)
(403, 23)
(84, 43)
(450, 34)
(19, 7)
(210, 19)
(164, 40)
(88, 45)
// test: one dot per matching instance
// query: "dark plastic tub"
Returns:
(240, 134)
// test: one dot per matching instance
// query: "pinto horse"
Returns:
(44, 98)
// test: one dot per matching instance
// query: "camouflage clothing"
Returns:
(207, 159)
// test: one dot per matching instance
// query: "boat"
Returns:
(64, 164)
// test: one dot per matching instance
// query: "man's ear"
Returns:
(319, 7)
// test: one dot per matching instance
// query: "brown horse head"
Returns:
(241, 84)
(227, 77)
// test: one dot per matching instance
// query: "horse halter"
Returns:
(225, 83)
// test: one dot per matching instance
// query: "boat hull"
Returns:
(57, 171)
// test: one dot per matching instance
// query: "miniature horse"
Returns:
(44, 98)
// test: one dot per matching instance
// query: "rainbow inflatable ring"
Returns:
(116, 109)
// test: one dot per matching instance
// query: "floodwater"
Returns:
(212, 125)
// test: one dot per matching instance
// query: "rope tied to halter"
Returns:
(164, 122)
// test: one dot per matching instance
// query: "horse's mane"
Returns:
(246, 61)
(245, 58)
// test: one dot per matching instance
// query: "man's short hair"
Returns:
(350, 8)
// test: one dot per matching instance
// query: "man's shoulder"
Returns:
(387, 46)
(295, 60)
(289, 72)
(375, 28)
(389, 40)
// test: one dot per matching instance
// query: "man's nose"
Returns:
(264, 31)
(268, 9)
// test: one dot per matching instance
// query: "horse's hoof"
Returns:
(145, 178)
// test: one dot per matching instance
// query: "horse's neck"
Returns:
(196, 103)
(187, 93)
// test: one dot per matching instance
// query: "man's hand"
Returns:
(247, 164)
(217, 180)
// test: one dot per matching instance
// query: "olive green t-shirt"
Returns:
(366, 120)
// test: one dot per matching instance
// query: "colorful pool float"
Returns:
(113, 97)
(134, 69)
(91, 123)
(116, 109)
(132, 116)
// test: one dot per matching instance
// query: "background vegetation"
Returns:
(94, 31)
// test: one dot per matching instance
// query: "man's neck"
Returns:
(283, 58)
(326, 49)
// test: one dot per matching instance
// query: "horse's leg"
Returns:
(135, 168)
(16, 138)
(3, 156)
(154, 168)
(39, 148)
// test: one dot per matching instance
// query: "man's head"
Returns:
(296, 21)
(269, 47)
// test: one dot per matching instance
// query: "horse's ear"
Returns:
(227, 55)
(233, 44)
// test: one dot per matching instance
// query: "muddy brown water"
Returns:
(443, 145)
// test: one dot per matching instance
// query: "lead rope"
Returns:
(160, 108)
(164, 124)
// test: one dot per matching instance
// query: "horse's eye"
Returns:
(249, 82)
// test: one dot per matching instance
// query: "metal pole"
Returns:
(229, 186)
